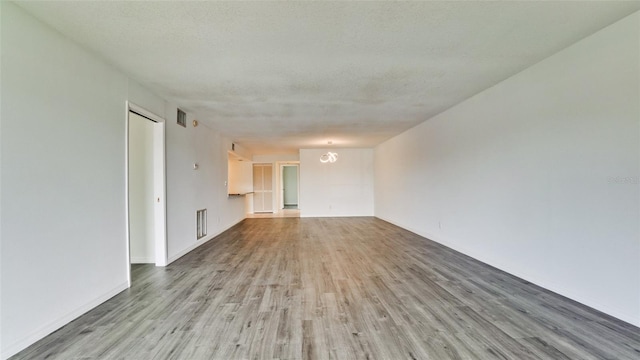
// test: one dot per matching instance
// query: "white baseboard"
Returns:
(143, 260)
(12, 349)
(200, 242)
(303, 215)
(545, 284)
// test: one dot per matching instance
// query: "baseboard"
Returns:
(302, 215)
(200, 242)
(143, 260)
(543, 283)
(12, 349)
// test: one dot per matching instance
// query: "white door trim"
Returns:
(281, 183)
(159, 185)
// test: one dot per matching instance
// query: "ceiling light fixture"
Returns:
(329, 157)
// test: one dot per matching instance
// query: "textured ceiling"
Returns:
(279, 76)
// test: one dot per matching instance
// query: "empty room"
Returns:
(319, 180)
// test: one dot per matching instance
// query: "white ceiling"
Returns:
(279, 76)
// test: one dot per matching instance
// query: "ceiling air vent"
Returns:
(182, 118)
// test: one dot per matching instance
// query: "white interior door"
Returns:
(141, 190)
(263, 187)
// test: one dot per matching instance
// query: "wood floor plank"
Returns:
(334, 288)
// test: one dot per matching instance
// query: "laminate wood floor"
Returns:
(334, 288)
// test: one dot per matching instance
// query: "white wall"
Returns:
(141, 190)
(63, 180)
(240, 176)
(290, 184)
(276, 158)
(62, 138)
(537, 176)
(343, 188)
(189, 190)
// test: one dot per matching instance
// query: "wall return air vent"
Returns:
(201, 223)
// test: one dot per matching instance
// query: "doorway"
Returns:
(290, 190)
(146, 210)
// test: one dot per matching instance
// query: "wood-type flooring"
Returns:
(334, 288)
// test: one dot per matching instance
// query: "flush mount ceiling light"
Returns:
(330, 157)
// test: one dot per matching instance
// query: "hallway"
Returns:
(339, 288)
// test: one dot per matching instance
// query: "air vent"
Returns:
(182, 118)
(201, 223)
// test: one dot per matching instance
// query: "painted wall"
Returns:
(537, 175)
(276, 158)
(343, 188)
(62, 140)
(63, 180)
(189, 190)
(290, 184)
(240, 176)
(141, 198)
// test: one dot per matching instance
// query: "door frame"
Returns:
(281, 182)
(159, 185)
